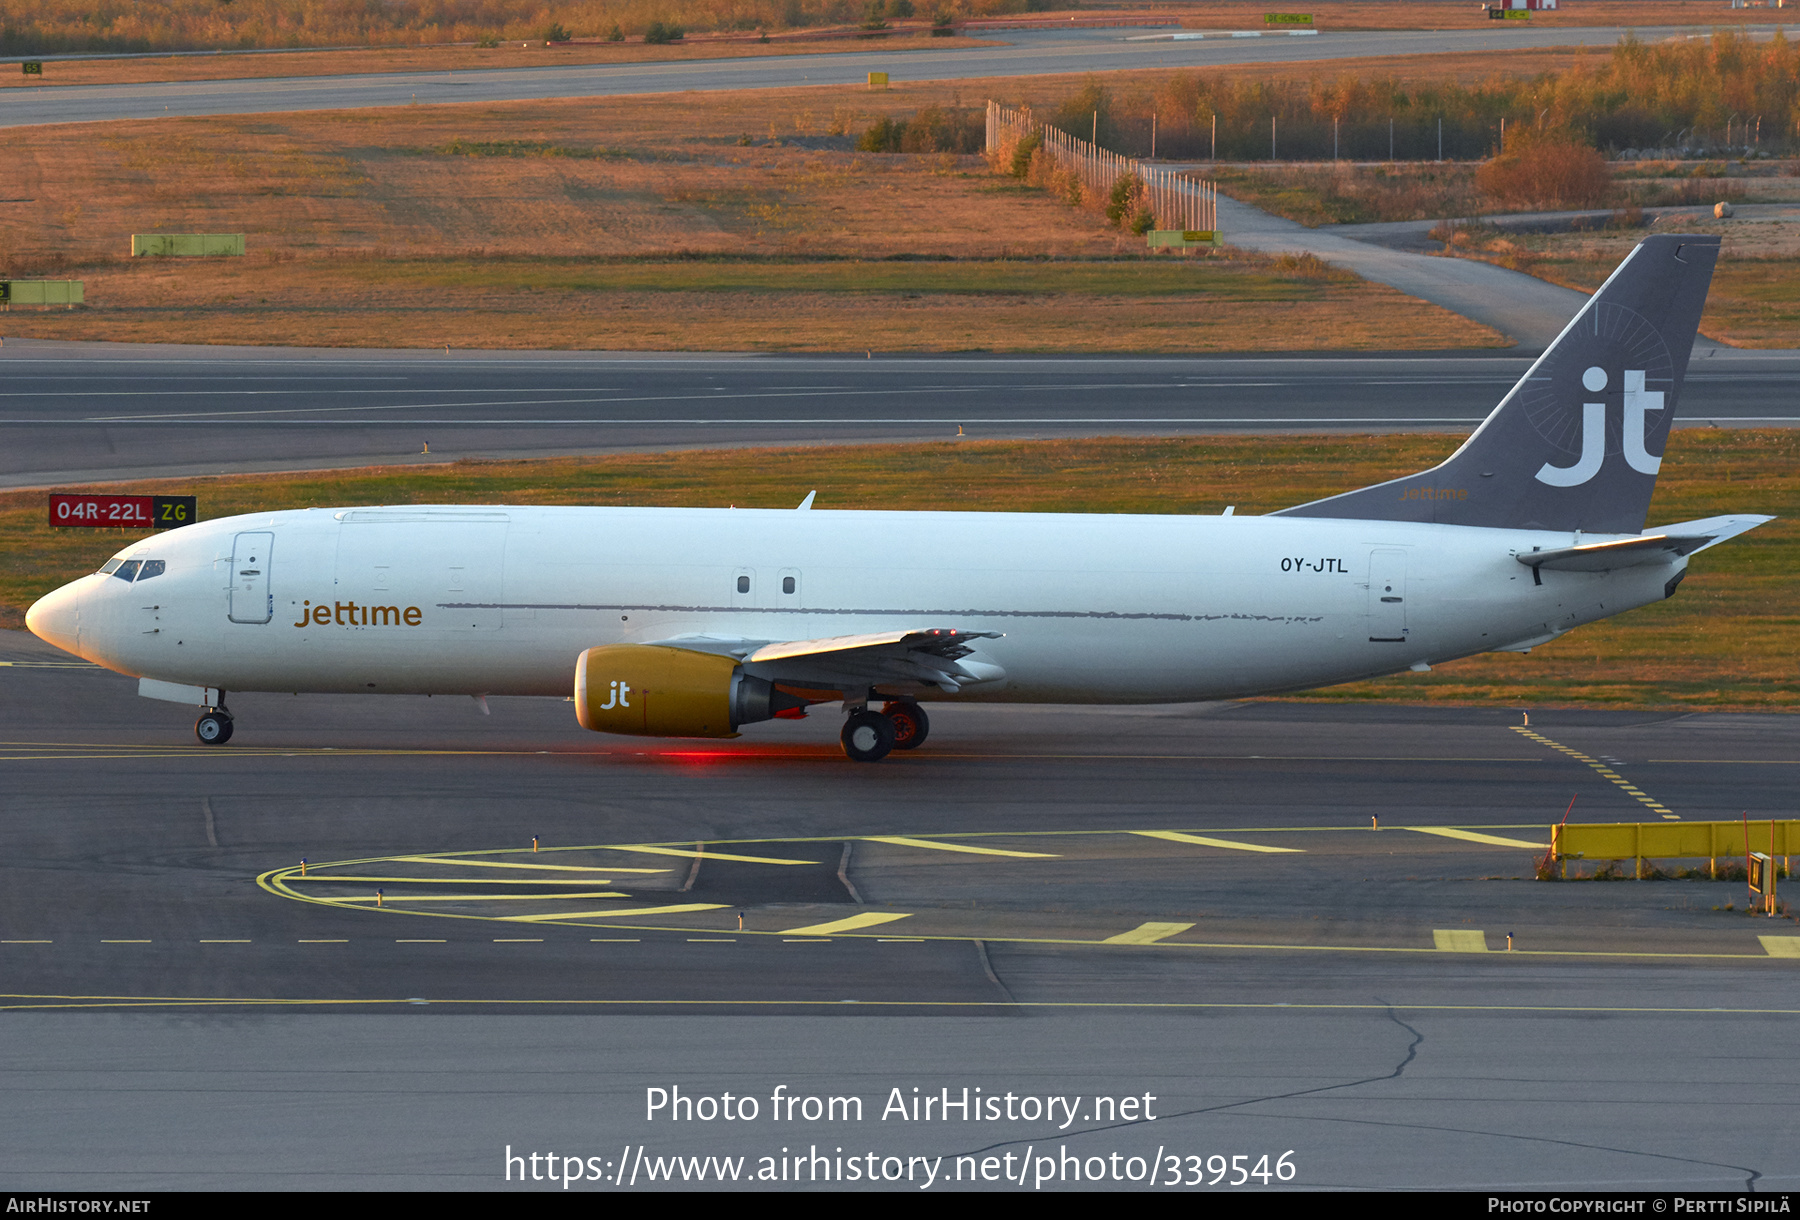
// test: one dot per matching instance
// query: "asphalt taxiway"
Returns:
(76, 412)
(1024, 53)
(1291, 922)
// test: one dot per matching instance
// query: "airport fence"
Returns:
(1173, 199)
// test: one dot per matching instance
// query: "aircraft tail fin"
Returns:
(1577, 443)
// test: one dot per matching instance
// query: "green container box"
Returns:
(186, 245)
(1181, 239)
(41, 292)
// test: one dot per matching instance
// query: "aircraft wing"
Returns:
(933, 657)
(1666, 544)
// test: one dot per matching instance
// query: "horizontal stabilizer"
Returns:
(1664, 546)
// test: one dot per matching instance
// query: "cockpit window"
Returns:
(111, 566)
(152, 567)
(127, 570)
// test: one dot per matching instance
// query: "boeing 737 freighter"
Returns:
(691, 622)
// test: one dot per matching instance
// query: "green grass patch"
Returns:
(1729, 639)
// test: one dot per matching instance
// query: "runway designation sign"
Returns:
(123, 512)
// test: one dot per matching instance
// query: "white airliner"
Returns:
(692, 622)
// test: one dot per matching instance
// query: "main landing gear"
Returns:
(869, 736)
(214, 726)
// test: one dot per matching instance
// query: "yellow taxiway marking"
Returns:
(125, 942)
(470, 897)
(467, 880)
(690, 852)
(868, 919)
(518, 940)
(1602, 769)
(225, 942)
(613, 914)
(1177, 836)
(1459, 940)
(421, 941)
(1147, 934)
(27, 942)
(615, 940)
(1781, 946)
(903, 841)
(549, 868)
(1472, 836)
(337, 941)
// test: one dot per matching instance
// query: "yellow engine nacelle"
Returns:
(648, 690)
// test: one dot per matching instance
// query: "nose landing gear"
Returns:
(214, 726)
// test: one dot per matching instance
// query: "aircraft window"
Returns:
(111, 566)
(787, 584)
(127, 570)
(743, 584)
(152, 567)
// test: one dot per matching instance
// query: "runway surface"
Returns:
(1026, 53)
(1187, 902)
(72, 413)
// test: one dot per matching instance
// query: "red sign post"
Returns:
(123, 512)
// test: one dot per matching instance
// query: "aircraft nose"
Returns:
(55, 618)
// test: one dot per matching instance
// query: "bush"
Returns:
(1546, 170)
(618, 33)
(936, 130)
(556, 33)
(883, 135)
(1021, 155)
(1122, 203)
(659, 34)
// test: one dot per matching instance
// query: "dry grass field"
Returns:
(1755, 297)
(531, 224)
(1729, 639)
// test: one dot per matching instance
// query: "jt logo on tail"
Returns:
(1541, 459)
(1638, 403)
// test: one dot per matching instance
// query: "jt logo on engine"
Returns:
(615, 697)
(1639, 402)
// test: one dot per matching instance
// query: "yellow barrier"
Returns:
(878, 80)
(186, 244)
(1640, 841)
(40, 292)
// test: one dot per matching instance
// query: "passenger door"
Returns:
(251, 600)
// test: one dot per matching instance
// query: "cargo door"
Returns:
(251, 601)
(1387, 597)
